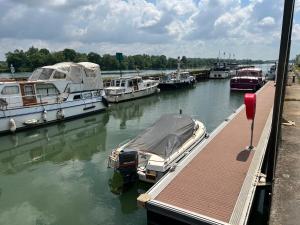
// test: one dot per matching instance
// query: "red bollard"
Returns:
(250, 103)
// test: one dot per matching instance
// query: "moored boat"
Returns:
(178, 79)
(271, 74)
(219, 71)
(247, 79)
(52, 93)
(128, 88)
(152, 153)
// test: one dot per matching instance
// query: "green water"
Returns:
(58, 174)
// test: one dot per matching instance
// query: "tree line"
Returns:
(27, 61)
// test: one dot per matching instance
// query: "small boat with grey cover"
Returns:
(160, 147)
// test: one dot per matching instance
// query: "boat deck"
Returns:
(215, 184)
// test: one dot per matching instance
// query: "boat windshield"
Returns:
(252, 73)
(45, 74)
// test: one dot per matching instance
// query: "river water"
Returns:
(58, 174)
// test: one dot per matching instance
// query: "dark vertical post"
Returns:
(281, 79)
(251, 138)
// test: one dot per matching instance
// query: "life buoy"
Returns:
(12, 125)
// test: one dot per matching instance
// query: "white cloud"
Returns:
(179, 7)
(109, 25)
(297, 5)
(267, 21)
(296, 32)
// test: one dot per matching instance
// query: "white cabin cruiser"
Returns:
(271, 74)
(176, 79)
(52, 93)
(220, 71)
(128, 88)
(160, 147)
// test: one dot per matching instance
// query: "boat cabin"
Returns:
(128, 85)
(51, 84)
(247, 79)
(250, 72)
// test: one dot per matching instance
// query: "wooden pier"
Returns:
(216, 182)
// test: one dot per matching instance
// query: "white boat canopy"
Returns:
(85, 73)
(165, 136)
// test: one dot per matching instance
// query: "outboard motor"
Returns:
(128, 163)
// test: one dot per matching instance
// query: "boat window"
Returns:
(45, 74)
(10, 90)
(76, 74)
(59, 75)
(87, 95)
(28, 90)
(46, 90)
(130, 83)
(35, 74)
(89, 73)
(123, 83)
(96, 93)
(117, 83)
(76, 97)
(139, 80)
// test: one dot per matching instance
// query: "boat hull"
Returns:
(40, 115)
(131, 95)
(242, 85)
(170, 86)
(218, 74)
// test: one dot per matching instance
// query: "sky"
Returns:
(194, 28)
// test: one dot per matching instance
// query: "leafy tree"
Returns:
(94, 58)
(34, 57)
(184, 61)
(81, 57)
(69, 54)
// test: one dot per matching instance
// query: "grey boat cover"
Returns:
(165, 136)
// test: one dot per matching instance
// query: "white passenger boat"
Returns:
(52, 93)
(128, 88)
(159, 148)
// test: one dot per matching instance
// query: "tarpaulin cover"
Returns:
(165, 136)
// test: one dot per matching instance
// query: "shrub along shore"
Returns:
(27, 61)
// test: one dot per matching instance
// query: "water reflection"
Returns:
(127, 193)
(77, 139)
(132, 110)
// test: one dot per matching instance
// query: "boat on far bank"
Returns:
(52, 93)
(129, 88)
(158, 149)
(247, 79)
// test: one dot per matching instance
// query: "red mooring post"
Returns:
(250, 103)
